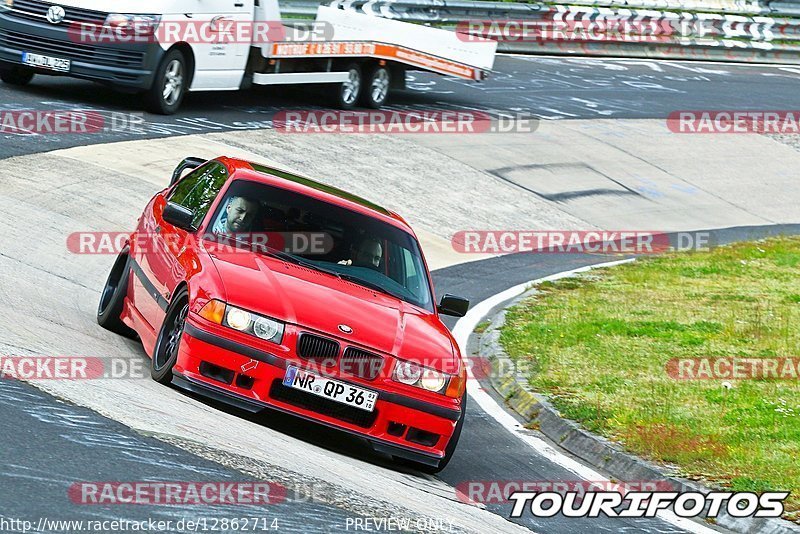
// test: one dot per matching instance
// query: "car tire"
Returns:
(19, 76)
(376, 88)
(112, 298)
(169, 85)
(165, 352)
(449, 451)
(346, 95)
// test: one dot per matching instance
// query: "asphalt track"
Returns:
(546, 88)
(47, 445)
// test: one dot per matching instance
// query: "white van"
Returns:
(166, 48)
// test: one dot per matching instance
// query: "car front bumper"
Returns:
(124, 65)
(400, 425)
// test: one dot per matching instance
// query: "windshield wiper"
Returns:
(371, 285)
(291, 258)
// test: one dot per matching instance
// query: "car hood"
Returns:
(317, 301)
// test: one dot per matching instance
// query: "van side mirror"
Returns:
(188, 163)
(178, 216)
(454, 306)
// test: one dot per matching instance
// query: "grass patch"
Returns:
(598, 346)
(482, 327)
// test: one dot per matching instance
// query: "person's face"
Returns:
(369, 254)
(240, 214)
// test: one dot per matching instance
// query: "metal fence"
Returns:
(737, 30)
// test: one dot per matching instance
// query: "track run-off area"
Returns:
(602, 157)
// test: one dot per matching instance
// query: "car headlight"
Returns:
(133, 24)
(411, 374)
(250, 323)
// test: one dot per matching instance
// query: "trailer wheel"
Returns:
(16, 75)
(376, 90)
(347, 94)
(169, 84)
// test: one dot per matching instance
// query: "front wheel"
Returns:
(168, 345)
(169, 85)
(347, 94)
(449, 451)
(376, 90)
(18, 76)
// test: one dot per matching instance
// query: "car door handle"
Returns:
(238, 4)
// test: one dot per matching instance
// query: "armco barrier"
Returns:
(738, 30)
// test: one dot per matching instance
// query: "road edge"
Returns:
(594, 450)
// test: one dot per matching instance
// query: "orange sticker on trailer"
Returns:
(379, 50)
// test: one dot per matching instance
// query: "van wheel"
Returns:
(19, 76)
(376, 90)
(169, 85)
(347, 94)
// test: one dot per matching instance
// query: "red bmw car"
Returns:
(264, 289)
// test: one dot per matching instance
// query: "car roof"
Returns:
(275, 176)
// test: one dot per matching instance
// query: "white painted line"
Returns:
(657, 60)
(461, 332)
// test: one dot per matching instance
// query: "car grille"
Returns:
(313, 347)
(313, 403)
(37, 10)
(357, 362)
(113, 57)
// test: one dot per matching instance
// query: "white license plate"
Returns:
(46, 62)
(330, 389)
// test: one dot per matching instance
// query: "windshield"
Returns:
(325, 237)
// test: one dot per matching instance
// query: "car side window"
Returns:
(198, 189)
(412, 281)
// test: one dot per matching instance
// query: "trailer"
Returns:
(165, 49)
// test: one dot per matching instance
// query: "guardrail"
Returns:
(731, 30)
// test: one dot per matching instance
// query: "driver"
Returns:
(237, 217)
(369, 253)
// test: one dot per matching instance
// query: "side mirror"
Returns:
(452, 305)
(179, 216)
(188, 163)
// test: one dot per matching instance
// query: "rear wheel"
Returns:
(170, 84)
(165, 353)
(19, 76)
(347, 94)
(112, 299)
(376, 89)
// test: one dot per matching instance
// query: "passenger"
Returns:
(369, 253)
